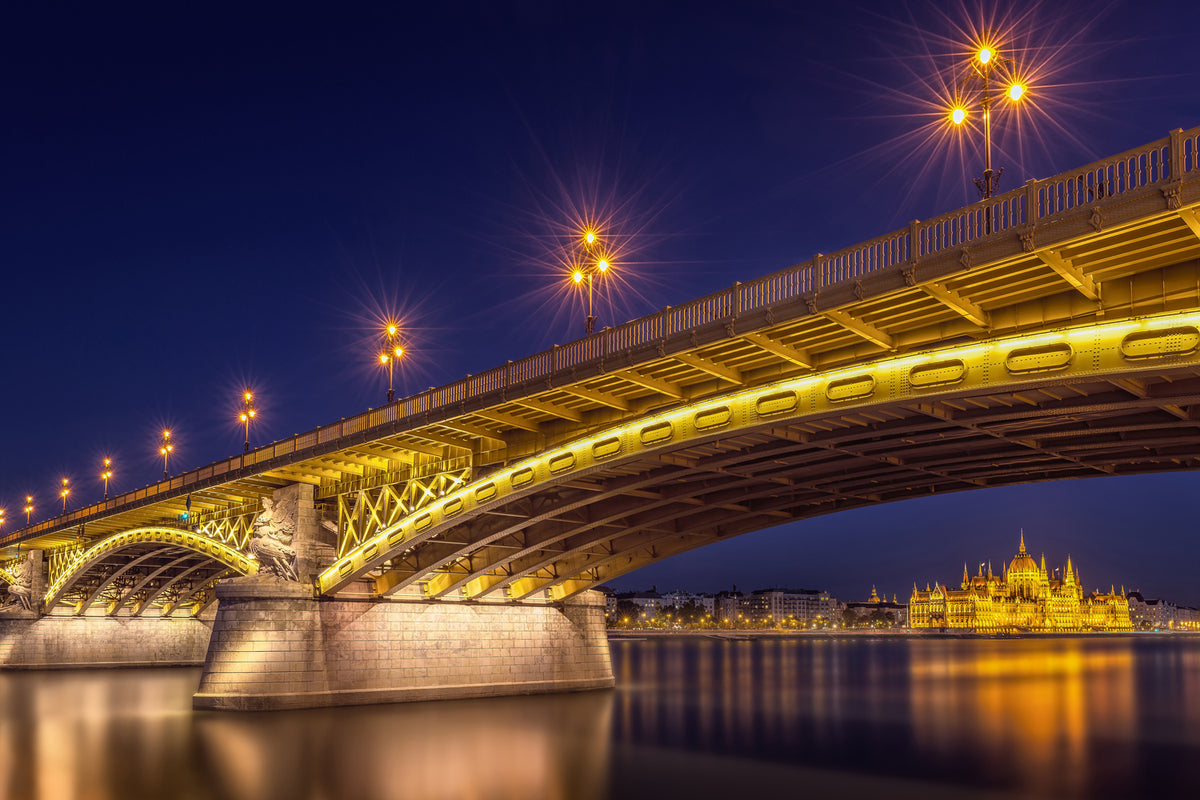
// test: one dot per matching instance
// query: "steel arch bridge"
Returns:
(1097, 399)
(150, 567)
(1049, 333)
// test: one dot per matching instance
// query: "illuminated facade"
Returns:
(1025, 598)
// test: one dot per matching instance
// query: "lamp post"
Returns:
(106, 474)
(587, 264)
(165, 450)
(28, 508)
(392, 352)
(986, 68)
(64, 493)
(247, 415)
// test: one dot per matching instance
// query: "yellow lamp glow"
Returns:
(985, 54)
(958, 115)
(589, 237)
(577, 276)
(602, 265)
(1016, 91)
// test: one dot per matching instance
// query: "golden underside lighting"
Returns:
(994, 365)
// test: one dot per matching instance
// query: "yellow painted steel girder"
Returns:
(1060, 356)
(186, 540)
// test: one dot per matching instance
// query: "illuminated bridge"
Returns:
(1050, 332)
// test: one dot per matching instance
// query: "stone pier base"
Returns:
(273, 646)
(71, 642)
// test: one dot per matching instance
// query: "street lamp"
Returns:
(247, 415)
(165, 450)
(64, 493)
(28, 508)
(106, 474)
(392, 352)
(585, 267)
(986, 68)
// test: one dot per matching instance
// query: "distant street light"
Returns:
(64, 493)
(247, 415)
(392, 352)
(28, 508)
(586, 265)
(986, 67)
(165, 450)
(106, 474)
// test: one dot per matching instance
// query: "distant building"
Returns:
(727, 606)
(680, 599)
(778, 605)
(1025, 597)
(865, 610)
(1149, 614)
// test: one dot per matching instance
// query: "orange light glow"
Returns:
(1016, 91)
(958, 115)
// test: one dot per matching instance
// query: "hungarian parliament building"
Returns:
(1024, 598)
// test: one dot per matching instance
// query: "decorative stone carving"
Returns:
(693, 338)
(859, 292)
(965, 258)
(729, 329)
(271, 541)
(910, 274)
(769, 314)
(662, 349)
(1027, 241)
(810, 300)
(21, 592)
(1171, 193)
(1097, 221)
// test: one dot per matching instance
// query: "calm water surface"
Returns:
(691, 717)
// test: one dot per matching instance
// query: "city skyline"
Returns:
(188, 223)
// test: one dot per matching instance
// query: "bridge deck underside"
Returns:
(612, 521)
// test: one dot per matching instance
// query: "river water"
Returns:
(832, 717)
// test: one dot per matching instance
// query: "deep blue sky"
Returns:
(197, 200)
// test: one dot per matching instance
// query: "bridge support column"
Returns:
(313, 544)
(274, 646)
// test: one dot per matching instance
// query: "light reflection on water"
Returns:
(1048, 717)
(695, 718)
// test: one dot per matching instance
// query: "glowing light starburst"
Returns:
(1035, 63)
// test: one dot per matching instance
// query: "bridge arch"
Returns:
(1082, 400)
(136, 568)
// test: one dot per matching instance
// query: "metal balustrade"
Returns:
(1161, 161)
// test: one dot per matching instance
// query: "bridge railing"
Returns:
(1161, 161)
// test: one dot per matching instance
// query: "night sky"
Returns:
(205, 198)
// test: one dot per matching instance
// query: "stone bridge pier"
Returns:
(275, 644)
